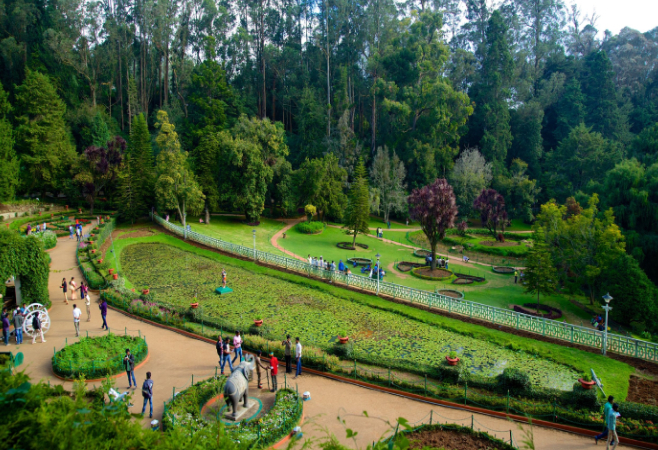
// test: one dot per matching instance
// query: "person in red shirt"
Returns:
(274, 366)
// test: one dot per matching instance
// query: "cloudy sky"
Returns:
(614, 15)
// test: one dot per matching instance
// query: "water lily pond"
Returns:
(318, 317)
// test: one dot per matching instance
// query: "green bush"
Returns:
(94, 357)
(310, 227)
(48, 238)
(184, 409)
(514, 380)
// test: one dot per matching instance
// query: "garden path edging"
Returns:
(411, 396)
(116, 375)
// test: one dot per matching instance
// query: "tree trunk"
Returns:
(166, 75)
(207, 214)
(433, 265)
(354, 238)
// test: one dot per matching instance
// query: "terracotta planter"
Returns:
(133, 289)
(586, 384)
(115, 276)
(100, 261)
(111, 271)
(145, 291)
(194, 305)
(343, 340)
(93, 251)
(67, 207)
(258, 323)
(451, 361)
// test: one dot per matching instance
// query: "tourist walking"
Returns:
(287, 354)
(103, 308)
(219, 347)
(237, 347)
(73, 287)
(611, 421)
(274, 367)
(84, 293)
(18, 326)
(64, 288)
(36, 327)
(76, 319)
(606, 410)
(5, 329)
(298, 357)
(226, 355)
(70, 231)
(147, 393)
(516, 276)
(259, 365)
(129, 364)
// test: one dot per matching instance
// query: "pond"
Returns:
(317, 317)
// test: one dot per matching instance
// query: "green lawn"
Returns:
(614, 373)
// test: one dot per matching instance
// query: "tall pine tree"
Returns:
(142, 168)
(358, 207)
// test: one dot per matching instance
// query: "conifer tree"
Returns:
(142, 165)
(43, 142)
(540, 273)
(358, 207)
(8, 160)
(131, 200)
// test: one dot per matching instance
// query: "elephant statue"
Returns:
(236, 388)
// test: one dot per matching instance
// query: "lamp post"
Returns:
(254, 234)
(378, 271)
(607, 297)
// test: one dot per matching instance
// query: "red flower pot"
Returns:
(145, 291)
(258, 323)
(586, 384)
(115, 276)
(451, 361)
(111, 271)
(343, 340)
(194, 305)
(93, 251)
(133, 289)
(100, 261)
(67, 207)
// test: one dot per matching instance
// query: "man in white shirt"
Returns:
(298, 357)
(76, 319)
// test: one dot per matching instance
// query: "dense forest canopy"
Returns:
(245, 104)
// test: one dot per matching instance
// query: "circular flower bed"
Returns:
(451, 436)
(427, 273)
(348, 246)
(360, 261)
(422, 253)
(503, 269)
(406, 266)
(532, 308)
(451, 293)
(96, 357)
(461, 280)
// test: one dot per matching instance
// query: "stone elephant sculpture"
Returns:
(236, 388)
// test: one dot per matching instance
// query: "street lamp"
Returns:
(607, 297)
(254, 233)
(378, 271)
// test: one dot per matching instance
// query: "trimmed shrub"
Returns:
(310, 227)
(514, 380)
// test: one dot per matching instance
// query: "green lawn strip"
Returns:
(375, 222)
(614, 373)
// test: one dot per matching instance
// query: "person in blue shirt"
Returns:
(341, 266)
(606, 410)
(611, 422)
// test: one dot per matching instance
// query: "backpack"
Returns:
(147, 389)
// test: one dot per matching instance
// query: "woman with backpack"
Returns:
(226, 355)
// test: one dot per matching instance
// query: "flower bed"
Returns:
(348, 246)
(360, 261)
(48, 238)
(461, 280)
(452, 293)
(422, 253)
(96, 357)
(470, 277)
(529, 308)
(426, 273)
(452, 436)
(406, 266)
(184, 411)
(503, 269)
(89, 257)
(310, 227)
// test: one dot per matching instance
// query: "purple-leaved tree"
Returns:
(100, 167)
(435, 208)
(491, 206)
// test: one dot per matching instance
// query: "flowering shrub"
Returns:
(184, 410)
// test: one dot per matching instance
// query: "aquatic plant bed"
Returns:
(451, 293)
(548, 312)
(96, 357)
(349, 246)
(470, 277)
(360, 261)
(453, 437)
(427, 273)
(184, 411)
(406, 266)
(422, 253)
(377, 336)
(503, 270)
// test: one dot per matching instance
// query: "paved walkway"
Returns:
(174, 358)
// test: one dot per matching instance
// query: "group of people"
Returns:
(223, 347)
(610, 416)
(380, 232)
(77, 230)
(598, 322)
(441, 262)
(147, 385)
(322, 263)
(372, 271)
(18, 319)
(37, 229)
(72, 287)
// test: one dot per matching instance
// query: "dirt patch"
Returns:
(642, 390)
(436, 273)
(451, 293)
(498, 244)
(448, 439)
(462, 281)
(145, 232)
(406, 266)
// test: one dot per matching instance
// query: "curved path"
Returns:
(174, 358)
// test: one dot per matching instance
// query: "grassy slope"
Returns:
(614, 373)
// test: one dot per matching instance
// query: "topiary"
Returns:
(514, 381)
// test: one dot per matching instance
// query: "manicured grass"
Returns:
(375, 222)
(615, 374)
